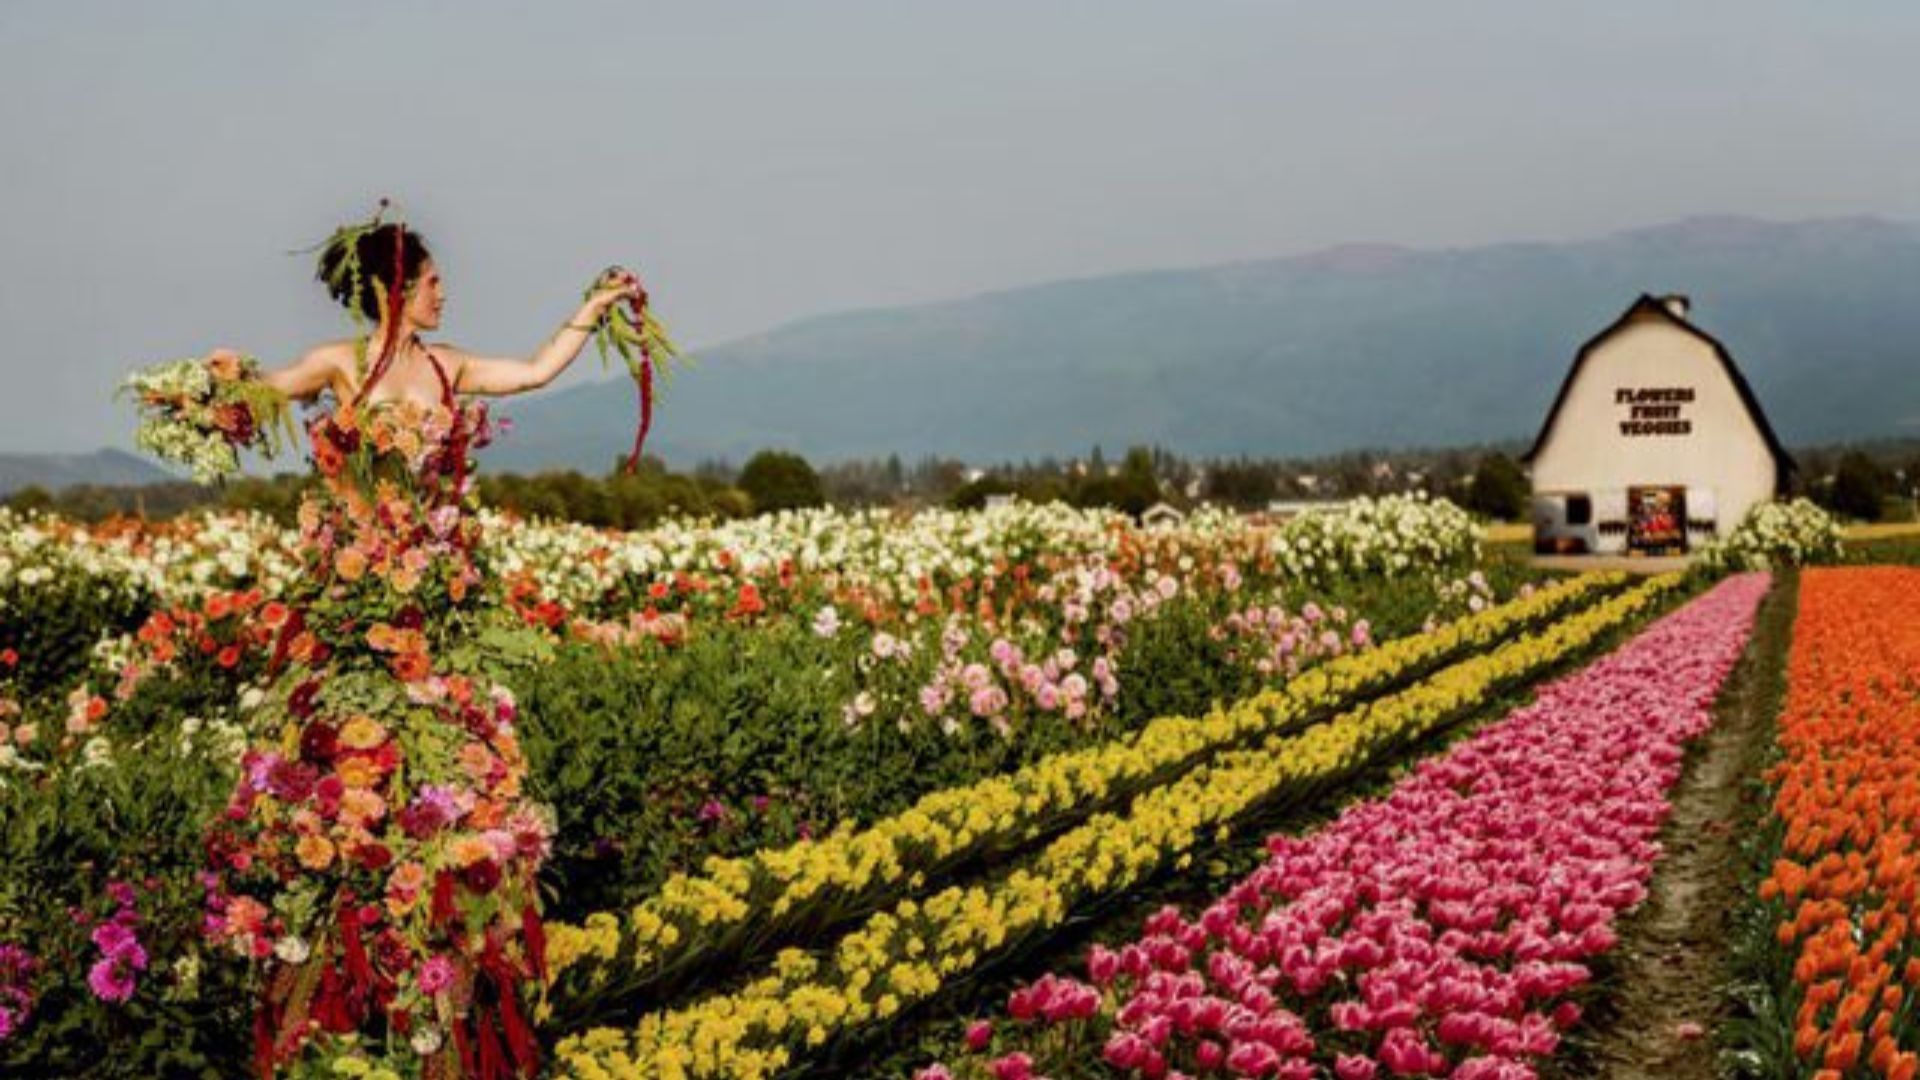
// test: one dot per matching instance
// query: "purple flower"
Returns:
(713, 810)
(17, 965)
(112, 938)
(111, 980)
(436, 975)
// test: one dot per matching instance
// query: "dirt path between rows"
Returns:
(1665, 988)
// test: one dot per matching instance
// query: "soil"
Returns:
(1664, 989)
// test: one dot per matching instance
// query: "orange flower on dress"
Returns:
(486, 814)
(303, 646)
(350, 564)
(404, 886)
(358, 771)
(469, 850)
(477, 760)
(362, 732)
(359, 806)
(411, 667)
(314, 852)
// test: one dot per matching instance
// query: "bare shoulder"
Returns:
(333, 354)
(449, 354)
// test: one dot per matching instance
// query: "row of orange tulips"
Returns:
(1847, 792)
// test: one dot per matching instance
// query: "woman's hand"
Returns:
(616, 285)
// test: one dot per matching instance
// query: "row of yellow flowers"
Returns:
(908, 953)
(740, 903)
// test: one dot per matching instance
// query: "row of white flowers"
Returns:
(886, 552)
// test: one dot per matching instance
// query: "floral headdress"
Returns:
(347, 277)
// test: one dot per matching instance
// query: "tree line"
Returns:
(1867, 482)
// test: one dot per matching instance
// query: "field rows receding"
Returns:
(910, 953)
(743, 908)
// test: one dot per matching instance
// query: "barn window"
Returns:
(1579, 510)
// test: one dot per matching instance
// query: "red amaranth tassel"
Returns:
(330, 1006)
(520, 1042)
(536, 940)
(263, 1040)
(492, 1060)
(359, 973)
(645, 383)
(463, 1043)
(296, 622)
(395, 294)
(444, 911)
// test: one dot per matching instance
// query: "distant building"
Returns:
(1162, 514)
(1655, 442)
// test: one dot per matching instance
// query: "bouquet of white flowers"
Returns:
(201, 411)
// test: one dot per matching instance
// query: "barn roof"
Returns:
(1783, 463)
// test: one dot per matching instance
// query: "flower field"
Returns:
(1438, 931)
(816, 777)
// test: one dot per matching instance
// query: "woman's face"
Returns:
(426, 298)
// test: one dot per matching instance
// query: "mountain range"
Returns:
(56, 471)
(1363, 345)
(1356, 346)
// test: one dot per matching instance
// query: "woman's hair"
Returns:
(355, 258)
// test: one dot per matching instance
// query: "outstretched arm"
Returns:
(499, 377)
(303, 379)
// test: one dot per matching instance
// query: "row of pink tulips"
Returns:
(1439, 931)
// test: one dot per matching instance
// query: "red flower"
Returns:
(748, 604)
(319, 740)
(482, 877)
(292, 782)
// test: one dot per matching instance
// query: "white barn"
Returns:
(1655, 443)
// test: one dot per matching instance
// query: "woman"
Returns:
(378, 858)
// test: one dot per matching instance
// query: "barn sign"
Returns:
(1654, 410)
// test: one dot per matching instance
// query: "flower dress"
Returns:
(378, 857)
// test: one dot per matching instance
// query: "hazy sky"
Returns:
(762, 161)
